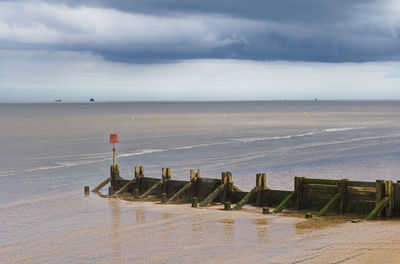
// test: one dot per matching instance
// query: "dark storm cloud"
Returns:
(145, 30)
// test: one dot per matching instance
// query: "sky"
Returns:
(171, 50)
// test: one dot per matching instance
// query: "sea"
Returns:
(50, 151)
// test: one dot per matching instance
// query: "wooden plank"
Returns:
(319, 181)
(367, 194)
(284, 203)
(102, 184)
(382, 203)
(151, 189)
(323, 187)
(180, 192)
(212, 195)
(245, 199)
(126, 186)
(328, 205)
(361, 184)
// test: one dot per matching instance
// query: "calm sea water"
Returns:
(50, 151)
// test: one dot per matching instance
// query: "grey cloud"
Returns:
(145, 30)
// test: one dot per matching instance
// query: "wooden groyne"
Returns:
(370, 199)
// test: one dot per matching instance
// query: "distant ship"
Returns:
(91, 100)
(58, 101)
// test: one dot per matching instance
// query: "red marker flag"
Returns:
(113, 138)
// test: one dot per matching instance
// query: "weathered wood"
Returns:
(329, 204)
(322, 187)
(141, 171)
(137, 171)
(342, 186)
(264, 181)
(227, 206)
(194, 201)
(245, 199)
(236, 189)
(192, 175)
(319, 181)
(126, 186)
(180, 192)
(361, 184)
(212, 196)
(382, 203)
(379, 194)
(397, 198)
(86, 190)
(282, 205)
(151, 189)
(298, 188)
(101, 185)
(389, 192)
(135, 193)
(258, 184)
(164, 198)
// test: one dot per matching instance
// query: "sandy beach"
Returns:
(147, 232)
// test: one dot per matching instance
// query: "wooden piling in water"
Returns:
(86, 190)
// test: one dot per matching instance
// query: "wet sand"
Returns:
(117, 231)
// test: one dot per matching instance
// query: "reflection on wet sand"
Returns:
(116, 219)
(261, 226)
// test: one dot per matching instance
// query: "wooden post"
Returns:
(192, 175)
(163, 198)
(342, 188)
(194, 202)
(135, 193)
(397, 198)
(298, 188)
(389, 193)
(379, 195)
(141, 171)
(227, 206)
(258, 184)
(164, 178)
(137, 172)
(224, 182)
(264, 181)
(86, 190)
(195, 183)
